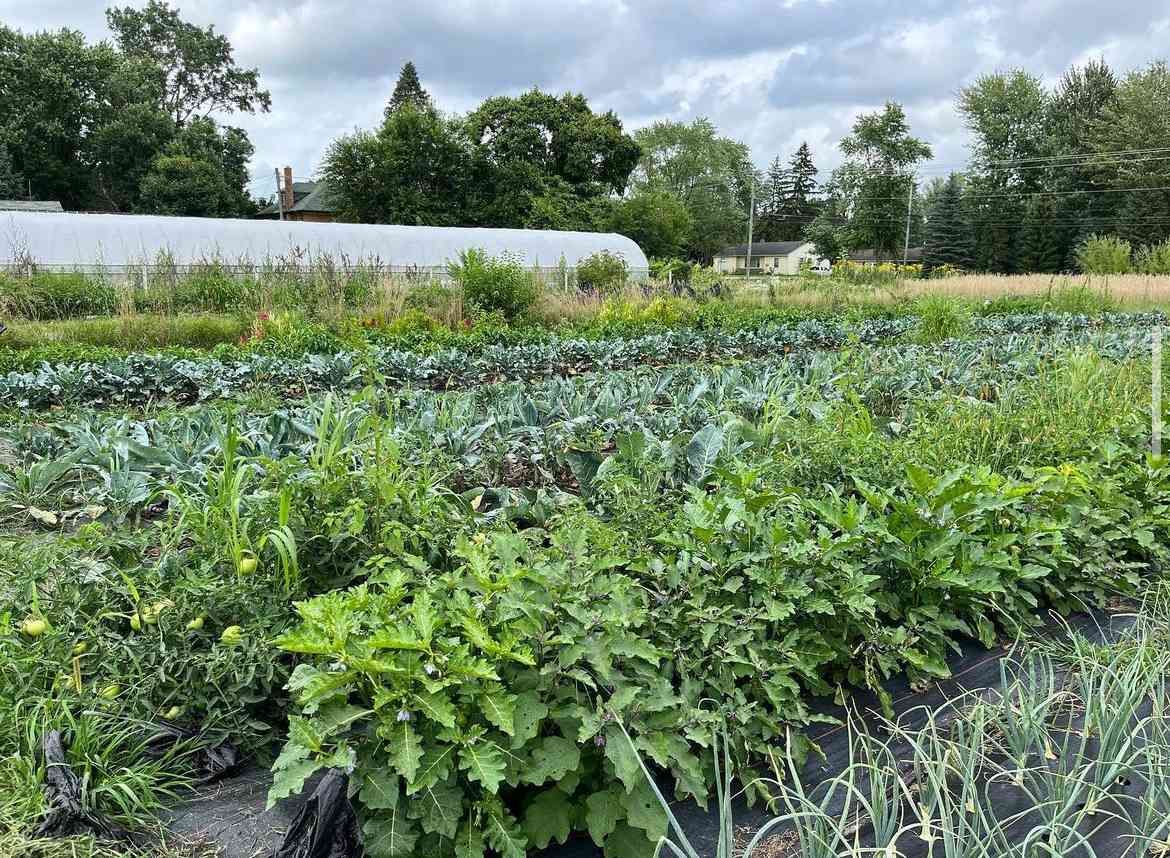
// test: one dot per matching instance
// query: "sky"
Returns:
(771, 74)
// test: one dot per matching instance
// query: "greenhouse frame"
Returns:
(117, 243)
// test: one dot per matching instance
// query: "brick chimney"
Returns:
(287, 190)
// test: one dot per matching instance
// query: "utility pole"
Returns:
(909, 206)
(751, 216)
(279, 193)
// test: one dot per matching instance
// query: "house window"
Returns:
(776, 262)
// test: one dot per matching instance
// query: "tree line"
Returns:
(134, 124)
(127, 125)
(1052, 167)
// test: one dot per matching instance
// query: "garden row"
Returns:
(670, 425)
(474, 674)
(141, 379)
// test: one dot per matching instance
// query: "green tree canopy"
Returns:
(710, 174)
(872, 186)
(657, 220)
(196, 67)
(560, 137)
(85, 124)
(413, 170)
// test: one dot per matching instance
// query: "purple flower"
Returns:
(403, 715)
(599, 740)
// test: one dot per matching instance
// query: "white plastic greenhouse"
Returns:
(107, 242)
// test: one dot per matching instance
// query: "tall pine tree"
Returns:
(800, 205)
(775, 195)
(948, 234)
(409, 90)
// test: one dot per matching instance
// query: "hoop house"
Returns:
(107, 242)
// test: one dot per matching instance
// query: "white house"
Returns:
(769, 257)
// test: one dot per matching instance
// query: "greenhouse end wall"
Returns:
(116, 244)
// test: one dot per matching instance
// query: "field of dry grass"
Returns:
(1131, 291)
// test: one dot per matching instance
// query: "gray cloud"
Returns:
(768, 73)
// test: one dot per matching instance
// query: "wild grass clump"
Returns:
(941, 318)
(47, 295)
(136, 332)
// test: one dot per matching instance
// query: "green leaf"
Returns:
(291, 779)
(548, 818)
(483, 762)
(469, 842)
(378, 788)
(624, 758)
(498, 708)
(629, 842)
(645, 811)
(550, 760)
(603, 811)
(312, 686)
(503, 834)
(704, 449)
(389, 835)
(405, 751)
(436, 766)
(441, 809)
(526, 717)
(438, 707)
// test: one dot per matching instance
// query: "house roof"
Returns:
(307, 197)
(30, 206)
(763, 248)
(869, 255)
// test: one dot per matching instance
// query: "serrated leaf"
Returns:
(526, 717)
(469, 842)
(404, 749)
(436, 765)
(550, 759)
(484, 763)
(389, 835)
(603, 811)
(498, 707)
(441, 809)
(503, 834)
(438, 707)
(379, 788)
(291, 779)
(549, 817)
(311, 686)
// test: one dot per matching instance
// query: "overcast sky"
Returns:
(769, 73)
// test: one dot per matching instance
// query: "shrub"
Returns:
(602, 272)
(49, 295)
(1154, 258)
(495, 284)
(1105, 254)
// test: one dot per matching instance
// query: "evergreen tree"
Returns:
(948, 234)
(409, 90)
(12, 184)
(773, 198)
(799, 205)
(1038, 244)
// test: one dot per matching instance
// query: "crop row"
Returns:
(140, 379)
(678, 423)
